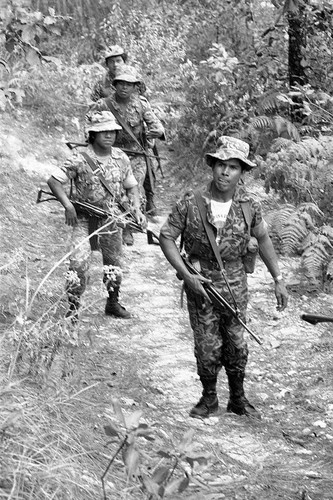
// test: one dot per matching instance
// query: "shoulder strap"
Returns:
(122, 122)
(212, 241)
(208, 227)
(97, 171)
(247, 214)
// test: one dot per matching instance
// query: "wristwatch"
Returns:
(278, 278)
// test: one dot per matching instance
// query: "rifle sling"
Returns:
(212, 241)
(97, 172)
(123, 123)
(127, 129)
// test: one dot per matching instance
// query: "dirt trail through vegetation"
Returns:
(286, 454)
(147, 364)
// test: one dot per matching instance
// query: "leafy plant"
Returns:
(168, 478)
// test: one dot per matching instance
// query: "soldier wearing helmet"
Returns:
(86, 186)
(114, 57)
(135, 110)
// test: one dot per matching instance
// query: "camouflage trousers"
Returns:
(218, 337)
(139, 167)
(110, 244)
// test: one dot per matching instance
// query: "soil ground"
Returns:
(147, 362)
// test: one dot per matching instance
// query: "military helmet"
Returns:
(101, 121)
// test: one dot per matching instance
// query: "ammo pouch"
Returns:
(249, 261)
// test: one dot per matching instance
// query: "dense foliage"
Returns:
(259, 70)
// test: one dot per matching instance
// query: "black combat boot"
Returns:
(208, 403)
(237, 401)
(113, 308)
(150, 205)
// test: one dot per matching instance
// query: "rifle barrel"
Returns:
(216, 297)
(316, 318)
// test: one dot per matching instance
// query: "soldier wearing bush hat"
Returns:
(114, 56)
(231, 215)
(115, 168)
(135, 114)
(231, 147)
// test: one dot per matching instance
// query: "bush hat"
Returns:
(127, 74)
(101, 121)
(231, 147)
(113, 51)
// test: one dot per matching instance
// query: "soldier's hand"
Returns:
(153, 134)
(140, 218)
(194, 282)
(281, 295)
(70, 215)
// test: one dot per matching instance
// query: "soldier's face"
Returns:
(114, 63)
(226, 174)
(124, 89)
(105, 140)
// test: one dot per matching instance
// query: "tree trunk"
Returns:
(297, 46)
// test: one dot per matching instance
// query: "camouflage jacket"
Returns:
(185, 220)
(86, 185)
(104, 87)
(138, 115)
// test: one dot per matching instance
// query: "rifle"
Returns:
(94, 211)
(219, 301)
(130, 152)
(313, 319)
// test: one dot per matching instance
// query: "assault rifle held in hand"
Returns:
(128, 219)
(313, 319)
(219, 301)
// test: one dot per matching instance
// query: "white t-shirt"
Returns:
(220, 212)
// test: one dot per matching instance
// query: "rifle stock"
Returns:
(219, 301)
(313, 319)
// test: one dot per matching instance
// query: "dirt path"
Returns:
(147, 363)
(288, 453)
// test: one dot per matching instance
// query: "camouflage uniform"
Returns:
(138, 113)
(104, 87)
(87, 187)
(218, 337)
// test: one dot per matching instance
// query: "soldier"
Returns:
(218, 336)
(134, 112)
(115, 57)
(112, 182)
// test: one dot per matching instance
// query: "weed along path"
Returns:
(65, 438)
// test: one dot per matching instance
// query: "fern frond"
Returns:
(311, 208)
(327, 231)
(262, 123)
(280, 143)
(292, 234)
(314, 258)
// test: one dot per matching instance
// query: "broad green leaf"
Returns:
(118, 411)
(32, 56)
(164, 454)
(201, 460)
(176, 485)
(28, 33)
(150, 485)
(160, 474)
(111, 430)
(132, 420)
(131, 460)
